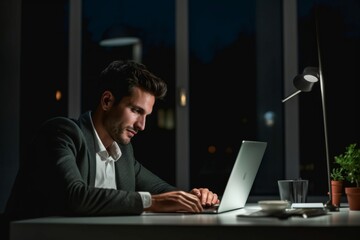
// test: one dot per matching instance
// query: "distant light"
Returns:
(165, 119)
(269, 118)
(211, 149)
(182, 97)
(58, 95)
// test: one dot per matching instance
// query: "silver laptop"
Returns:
(241, 178)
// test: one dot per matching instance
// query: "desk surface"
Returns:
(191, 226)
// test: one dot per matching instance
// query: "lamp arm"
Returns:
(292, 95)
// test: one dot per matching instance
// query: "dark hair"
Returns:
(120, 76)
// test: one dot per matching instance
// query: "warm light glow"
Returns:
(182, 97)
(58, 95)
(211, 149)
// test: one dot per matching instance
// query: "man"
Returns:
(86, 167)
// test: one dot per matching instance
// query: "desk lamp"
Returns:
(304, 83)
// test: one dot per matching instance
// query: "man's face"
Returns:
(128, 117)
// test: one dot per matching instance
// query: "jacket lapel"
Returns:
(86, 127)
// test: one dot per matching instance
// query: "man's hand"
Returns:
(207, 197)
(176, 201)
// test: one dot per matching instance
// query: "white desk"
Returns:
(188, 226)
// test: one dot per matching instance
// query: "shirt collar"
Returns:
(113, 150)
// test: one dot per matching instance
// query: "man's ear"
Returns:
(107, 100)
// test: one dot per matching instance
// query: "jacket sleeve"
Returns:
(58, 176)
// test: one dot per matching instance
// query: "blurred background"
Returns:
(228, 65)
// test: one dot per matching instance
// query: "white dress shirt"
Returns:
(105, 167)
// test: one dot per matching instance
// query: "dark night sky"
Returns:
(218, 22)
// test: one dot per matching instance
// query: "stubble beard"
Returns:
(120, 136)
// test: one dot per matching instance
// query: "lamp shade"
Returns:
(305, 81)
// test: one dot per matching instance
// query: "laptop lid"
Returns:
(242, 176)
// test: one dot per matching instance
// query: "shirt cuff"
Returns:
(146, 199)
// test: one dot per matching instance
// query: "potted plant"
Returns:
(349, 162)
(337, 179)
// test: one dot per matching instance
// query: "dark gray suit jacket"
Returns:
(58, 176)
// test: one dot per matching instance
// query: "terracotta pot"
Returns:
(336, 192)
(353, 197)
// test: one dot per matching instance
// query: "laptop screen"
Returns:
(242, 176)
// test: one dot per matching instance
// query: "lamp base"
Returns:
(330, 207)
